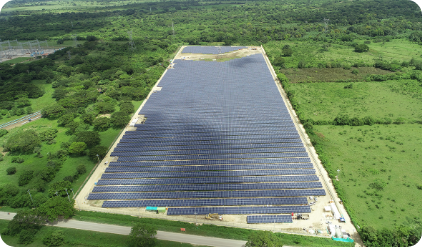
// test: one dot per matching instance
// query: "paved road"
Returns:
(125, 230)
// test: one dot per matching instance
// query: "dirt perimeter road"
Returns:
(125, 230)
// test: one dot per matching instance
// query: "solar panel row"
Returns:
(239, 210)
(207, 174)
(211, 180)
(206, 194)
(206, 202)
(210, 187)
(257, 219)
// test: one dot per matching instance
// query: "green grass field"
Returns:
(75, 237)
(16, 60)
(324, 101)
(313, 53)
(381, 167)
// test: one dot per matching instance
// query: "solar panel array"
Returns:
(216, 135)
(211, 49)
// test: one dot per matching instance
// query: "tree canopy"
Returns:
(142, 236)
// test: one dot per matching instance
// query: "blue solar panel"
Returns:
(206, 202)
(239, 210)
(257, 219)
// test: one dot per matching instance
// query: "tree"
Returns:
(26, 236)
(53, 112)
(119, 119)
(88, 118)
(81, 169)
(100, 150)
(25, 177)
(101, 123)
(91, 138)
(24, 220)
(263, 239)
(59, 188)
(279, 61)
(65, 119)
(127, 107)
(11, 170)
(3, 132)
(23, 142)
(53, 239)
(104, 107)
(57, 206)
(142, 236)
(361, 48)
(287, 51)
(77, 148)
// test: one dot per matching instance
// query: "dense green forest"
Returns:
(359, 69)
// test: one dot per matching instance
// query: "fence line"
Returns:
(20, 119)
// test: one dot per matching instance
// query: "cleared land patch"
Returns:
(331, 74)
(324, 101)
(380, 170)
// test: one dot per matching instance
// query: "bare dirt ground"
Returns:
(317, 220)
(104, 115)
(219, 57)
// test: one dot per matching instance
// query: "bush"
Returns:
(88, 118)
(361, 48)
(91, 138)
(279, 61)
(3, 132)
(81, 169)
(77, 148)
(25, 177)
(104, 107)
(355, 71)
(55, 238)
(53, 112)
(100, 150)
(68, 178)
(48, 135)
(11, 189)
(17, 160)
(65, 119)
(11, 170)
(59, 187)
(23, 142)
(119, 119)
(26, 236)
(127, 107)
(263, 238)
(142, 236)
(39, 184)
(101, 123)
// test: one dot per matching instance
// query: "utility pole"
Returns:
(74, 36)
(131, 43)
(326, 24)
(30, 196)
(172, 26)
(68, 55)
(67, 195)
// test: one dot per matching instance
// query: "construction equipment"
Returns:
(213, 216)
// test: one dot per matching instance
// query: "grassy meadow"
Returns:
(380, 170)
(324, 101)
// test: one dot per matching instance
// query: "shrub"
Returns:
(119, 119)
(68, 178)
(77, 148)
(355, 71)
(11, 189)
(350, 86)
(39, 184)
(26, 236)
(100, 150)
(101, 123)
(104, 107)
(65, 119)
(91, 138)
(142, 235)
(3, 132)
(48, 135)
(361, 48)
(88, 118)
(25, 177)
(53, 112)
(23, 142)
(81, 169)
(279, 61)
(59, 187)
(127, 107)
(11, 170)
(17, 160)
(55, 238)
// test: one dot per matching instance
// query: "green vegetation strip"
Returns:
(75, 237)
(203, 230)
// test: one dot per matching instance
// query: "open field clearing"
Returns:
(315, 53)
(380, 170)
(330, 74)
(324, 101)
